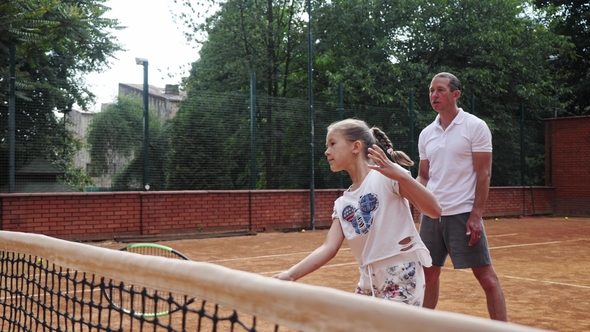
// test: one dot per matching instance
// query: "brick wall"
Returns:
(515, 201)
(567, 160)
(108, 215)
(519, 201)
(72, 216)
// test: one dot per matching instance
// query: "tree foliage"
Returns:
(381, 50)
(199, 156)
(115, 134)
(353, 40)
(115, 138)
(500, 50)
(56, 42)
(572, 19)
(245, 37)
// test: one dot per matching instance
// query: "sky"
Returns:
(151, 34)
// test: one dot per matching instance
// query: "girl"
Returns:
(374, 216)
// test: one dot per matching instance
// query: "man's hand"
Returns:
(474, 229)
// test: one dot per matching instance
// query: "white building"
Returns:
(163, 102)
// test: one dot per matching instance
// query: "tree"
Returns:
(199, 157)
(115, 134)
(381, 50)
(116, 144)
(572, 19)
(56, 43)
(353, 48)
(76, 177)
(501, 52)
(247, 37)
(499, 49)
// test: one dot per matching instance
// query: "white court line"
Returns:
(307, 252)
(526, 279)
(501, 235)
(537, 243)
(468, 270)
(548, 282)
(321, 267)
(266, 256)
(304, 252)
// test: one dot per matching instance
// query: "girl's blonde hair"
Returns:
(358, 130)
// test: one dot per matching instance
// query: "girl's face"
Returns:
(338, 150)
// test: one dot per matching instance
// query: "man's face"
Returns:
(441, 96)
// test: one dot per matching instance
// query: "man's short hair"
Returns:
(454, 83)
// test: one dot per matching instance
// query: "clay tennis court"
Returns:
(542, 264)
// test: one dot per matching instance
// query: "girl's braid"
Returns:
(398, 156)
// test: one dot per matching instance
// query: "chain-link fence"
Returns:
(223, 141)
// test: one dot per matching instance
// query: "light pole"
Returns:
(146, 123)
(11, 117)
(311, 114)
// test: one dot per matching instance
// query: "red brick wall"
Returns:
(567, 160)
(72, 216)
(108, 215)
(519, 201)
(515, 201)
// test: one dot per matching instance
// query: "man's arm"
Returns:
(423, 171)
(482, 163)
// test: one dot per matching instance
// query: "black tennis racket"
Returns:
(145, 302)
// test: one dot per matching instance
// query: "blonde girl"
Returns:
(374, 215)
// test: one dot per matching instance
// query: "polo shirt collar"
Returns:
(457, 120)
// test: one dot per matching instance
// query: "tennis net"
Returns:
(47, 284)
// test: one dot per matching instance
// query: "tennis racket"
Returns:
(145, 302)
(154, 250)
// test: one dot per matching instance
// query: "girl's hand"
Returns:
(283, 276)
(384, 165)
(409, 188)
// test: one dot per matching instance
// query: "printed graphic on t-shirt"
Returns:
(361, 218)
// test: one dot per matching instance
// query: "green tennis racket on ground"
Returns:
(154, 250)
(141, 301)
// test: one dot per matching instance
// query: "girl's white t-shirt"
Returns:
(376, 220)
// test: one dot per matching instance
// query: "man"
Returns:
(456, 165)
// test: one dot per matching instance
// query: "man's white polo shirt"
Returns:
(449, 152)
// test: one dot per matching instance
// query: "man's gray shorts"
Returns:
(447, 237)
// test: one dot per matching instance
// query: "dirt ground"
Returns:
(542, 264)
